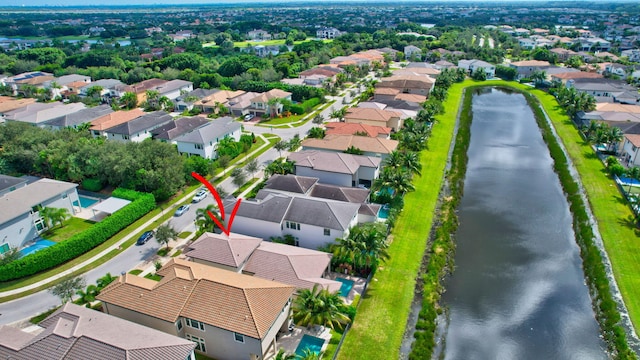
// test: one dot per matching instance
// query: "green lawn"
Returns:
(71, 227)
(283, 120)
(382, 316)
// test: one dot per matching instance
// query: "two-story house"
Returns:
(227, 315)
(39, 113)
(376, 147)
(203, 140)
(336, 168)
(374, 117)
(527, 67)
(471, 66)
(101, 124)
(171, 130)
(140, 128)
(108, 88)
(73, 120)
(268, 102)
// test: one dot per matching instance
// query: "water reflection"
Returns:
(518, 290)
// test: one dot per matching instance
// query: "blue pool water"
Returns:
(383, 213)
(312, 343)
(345, 289)
(85, 202)
(628, 181)
(38, 245)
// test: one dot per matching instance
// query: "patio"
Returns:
(289, 341)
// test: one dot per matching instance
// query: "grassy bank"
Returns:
(382, 316)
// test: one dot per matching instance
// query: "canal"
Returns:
(518, 290)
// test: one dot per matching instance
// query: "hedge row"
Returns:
(305, 106)
(595, 273)
(80, 243)
(440, 260)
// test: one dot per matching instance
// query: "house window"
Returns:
(292, 225)
(4, 248)
(198, 146)
(179, 324)
(199, 342)
(195, 324)
(327, 232)
(64, 196)
(238, 337)
(96, 133)
(126, 137)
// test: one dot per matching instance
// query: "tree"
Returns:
(393, 160)
(52, 216)
(479, 75)
(399, 181)
(67, 288)
(239, 177)
(282, 355)
(634, 174)
(318, 306)
(353, 150)
(89, 294)
(252, 167)
(308, 354)
(294, 143)
(204, 223)
(279, 167)
(411, 162)
(280, 145)
(223, 162)
(129, 100)
(105, 280)
(365, 246)
(316, 133)
(318, 119)
(9, 256)
(538, 77)
(165, 233)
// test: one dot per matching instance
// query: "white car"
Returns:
(181, 210)
(199, 196)
(249, 117)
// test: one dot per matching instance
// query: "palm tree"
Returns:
(614, 136)
(308, 354)
(316, 133)
(318, 119)
(279, 167)
(365, 246)
(411, 162)
(52, 216)
(318, 306)
(591, 128)
(538, 77)
(129, 100)
(105, 280)
(399, 181)
(282, 355)
(280, 145)
(273, 106)
(89, 294)
(294, 143)
(394, 160)
(204, 221)
(634, 174)
(165, 233)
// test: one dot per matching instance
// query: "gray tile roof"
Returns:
(232, 250)
(172, 86)
(271, 209)
(333, 161)
(75, 332)
(291, 183)
(180, 126)
(198, 93)
(79, 117)
(20, 201)
(322, 213)
(216, 129)
(7, 182)
(104, 83)
(141, 123)
(340, 193)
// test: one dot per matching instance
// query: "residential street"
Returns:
(26, 307)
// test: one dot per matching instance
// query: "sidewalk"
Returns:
(118, 245)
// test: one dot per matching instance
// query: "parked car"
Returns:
(181, 210)
(199, 196)
(249, 117)
(144, 237)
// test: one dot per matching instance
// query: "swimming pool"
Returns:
(314, 344)
(37, 246)
(383, 213)
(345, 289)
(85, 201)
(627, 181)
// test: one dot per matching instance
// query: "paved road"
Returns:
(26, 307)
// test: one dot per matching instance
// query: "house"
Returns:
(240, 105)
(186, 101)
(228, 315)
(73, 120)
(8, 103)
(312, 222)
(607, 90)
(173, 129)
(374, 117)
(109, 88)
(340, 128)
(471, 66)
(212, 102)
(20, 220)
(101, 124)
(34, 78)
(336, 168)
(622, 116)
(259, 35)
(138, 129)
(563, 54)
(39, 113)
(630, 149)
(269, 102)
(411, 51)
(375, 147)
(174, 88)
(71, 78)
(73, 332)
(328, 33)
(616, 69)
(140, 89)
(296, 266)
(297, 185)
(632, 54)
(203, 140)
(410, 84)
(571, 75)
(527, 67)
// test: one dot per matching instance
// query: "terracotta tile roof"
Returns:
(577, 75)
(221, 97)
(333, 161)
(407, 82)
(339, 128)
(8, 103)
(232, 250)
(220, 298)
(411, 97)
(634, 139)
(343, 142)
(386, 91)
(144, 85)
(115, 118)
(271, 94)
(369, 114)
(534, 63)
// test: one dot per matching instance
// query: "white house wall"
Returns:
(18, 231)
(257, 228)
(326, 177)
(221, 344)
(278, 325)
(313, 237)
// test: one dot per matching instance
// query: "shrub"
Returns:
(82, 242)
(92, 184)
(297, 109)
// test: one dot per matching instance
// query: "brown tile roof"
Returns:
(343, 142)
(8, 103)
(386, 91)
(407, 82)
(633, 138)
(577, 75)
(36, 80)
(75, 332)
(144, 85)
(340, 128)
(534, 63)
(271, 94)
(300, 267)
(411, 97)
(370, 114)
(615, 107)
(221, 97)
(220, 298)
(318, 71)
(232, 250)
(115, 118)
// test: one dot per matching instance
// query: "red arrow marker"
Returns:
(220, 205)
